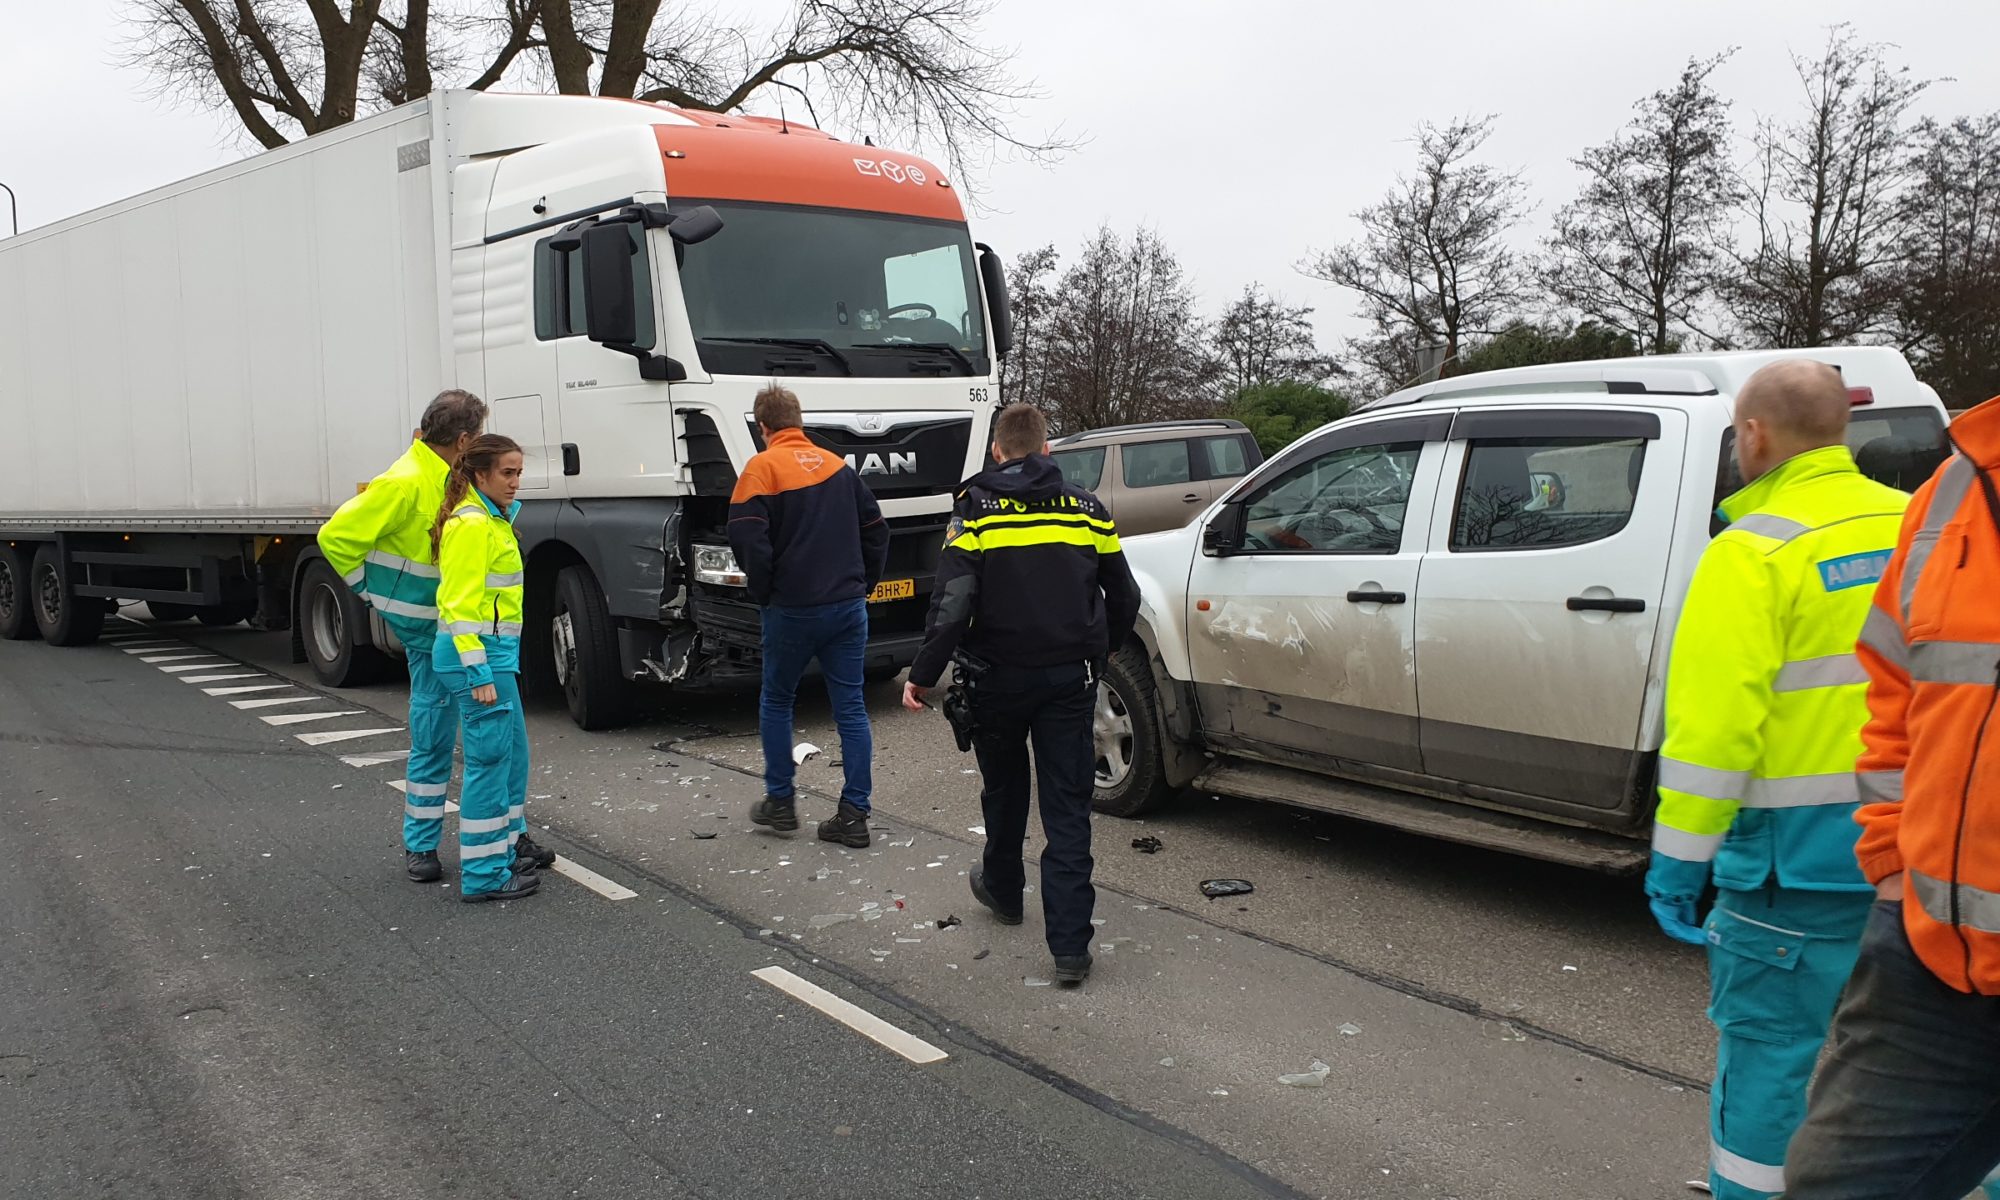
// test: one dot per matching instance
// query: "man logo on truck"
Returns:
(874, 464)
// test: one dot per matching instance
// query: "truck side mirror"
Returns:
(694, 226)
(1224, 534)
(993, 279)
(610, 312)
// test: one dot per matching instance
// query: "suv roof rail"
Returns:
(1196, 423)
(1614, 379)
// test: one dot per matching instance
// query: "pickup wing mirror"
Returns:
(1224, 535)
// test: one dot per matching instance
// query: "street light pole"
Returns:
(13, 209)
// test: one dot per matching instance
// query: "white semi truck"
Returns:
(193, 379)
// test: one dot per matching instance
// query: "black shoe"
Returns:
(781, 815)
(528, 850)
(522, 866)
(422, 866)
(979, 893)
(518, 885)
(1072, 969)
(849, 827)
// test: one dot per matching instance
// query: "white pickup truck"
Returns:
(1451, 612)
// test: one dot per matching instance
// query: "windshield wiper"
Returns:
(928, 348)
(820, 344)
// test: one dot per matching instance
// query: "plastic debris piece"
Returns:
(1147, 845)
(1166, 1062)
(1215, 889)
(978, 829)
(909, 941)
(1314, 1078)
(1218, 1091)
(804, 753)
(822, 875)
(980, 955)
(1035, 981)
(825, 919)
(908, 841)
(1350, 1030)
(1567, 967)
(871, 906)
(703, 835)
(948, 922)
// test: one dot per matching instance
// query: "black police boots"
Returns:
(849, 827)
(1006, 916)
(1072, 969)
(780, 815)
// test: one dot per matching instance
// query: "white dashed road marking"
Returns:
(340, 735)
(374, 760)
(860, 1020)
(149, 647)
(592, 880)
(302, 718)
(207, 666)
(255, 687)
(220, 678)
(272, 702)
(160, 658)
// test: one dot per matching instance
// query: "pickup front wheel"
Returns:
(1125, 726)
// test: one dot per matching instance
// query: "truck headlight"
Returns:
(717, 564)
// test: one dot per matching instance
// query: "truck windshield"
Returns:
(786, 290)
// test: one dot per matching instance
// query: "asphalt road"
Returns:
(221, 986)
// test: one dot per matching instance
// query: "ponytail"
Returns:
(480, 457)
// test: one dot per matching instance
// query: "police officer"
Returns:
(1765, 703)
(1033, 592)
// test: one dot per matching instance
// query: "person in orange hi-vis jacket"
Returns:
(1909, 1104)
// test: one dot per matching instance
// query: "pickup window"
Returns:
(1901, 447)
(1346, 501)
(1532, 493)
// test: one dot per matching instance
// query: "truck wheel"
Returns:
(17, 618)
(215, 616)
(1125, 725)
(330, 617)
(164, 611)
(64, 620)
(584, 644)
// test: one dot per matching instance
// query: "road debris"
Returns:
(1167, 1062)
(980, 955)
(1035, 981)
(1350, 1030)
(804, 753)
(948, 922)
(1218, 1091)
(703, 835)
(1215, 889)
(1147, 845)
(1314, 1078)
(825, 919)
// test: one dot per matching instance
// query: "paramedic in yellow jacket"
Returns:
(478, 654)
(380, 543)
(1765, 704)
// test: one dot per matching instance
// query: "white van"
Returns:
(1451, 612)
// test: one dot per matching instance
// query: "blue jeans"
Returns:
(837, 636)
(1908, 1106)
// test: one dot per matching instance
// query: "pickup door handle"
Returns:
(1605, 604)
(1376, 598)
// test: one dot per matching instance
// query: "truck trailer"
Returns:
(192, 380)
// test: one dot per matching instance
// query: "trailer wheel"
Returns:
(1131, 774)
(17, 618)
(330, 618)
(64, 619)
(584, 644)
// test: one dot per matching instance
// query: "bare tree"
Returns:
(1827, 202)
(1639, 249)
(288, 68)
(1261, 339)
(1947, 284)
(1124, 341)
(1024, 372)
(1432, 264)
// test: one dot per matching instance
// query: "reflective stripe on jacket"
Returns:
(380, 542)
(1931, 768)
(1765, 697)
(479, 592)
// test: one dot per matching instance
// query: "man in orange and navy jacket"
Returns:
(810, 540)
(1909, 1104)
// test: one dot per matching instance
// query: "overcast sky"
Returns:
(1244, 132)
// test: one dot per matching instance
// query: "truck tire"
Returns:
(165, 611)
(216, 616)
(584, 645)
(64, 620)
(1131, 776)
(330, 616)
(17, 617)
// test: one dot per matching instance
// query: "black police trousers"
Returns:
(1049, 707)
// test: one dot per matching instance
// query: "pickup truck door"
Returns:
(1540, 598)
(1300, 630)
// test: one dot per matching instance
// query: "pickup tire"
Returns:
(584, 645)
(1131, 774)
(17, 618)
(64, 619)
(330, 616)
